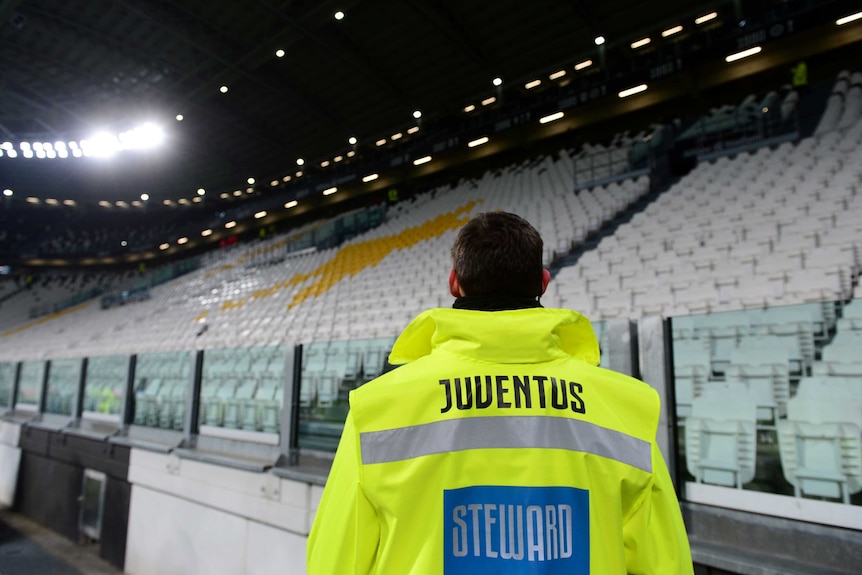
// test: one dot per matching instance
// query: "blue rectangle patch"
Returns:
(508, 530)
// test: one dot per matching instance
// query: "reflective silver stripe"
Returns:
(504, 432)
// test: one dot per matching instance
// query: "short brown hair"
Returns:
(498, 253)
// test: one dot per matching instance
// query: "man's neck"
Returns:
(496, 302)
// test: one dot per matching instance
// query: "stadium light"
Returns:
(230, 225)
(489, 101)
(640, 43)
(533, 84)
(557, 74)
(671, 31)
(632, 91)
(291, 204)
(422, 160)
(351, 140)
(743, 54)
(330, 191)
(145, 197)
(551, 118)
(584, 64)
(599, 40)
(478, 142)
(848, 19)
(417, 114)
(706, 18)
(260, 214)
(497, 81)
(370, 178)
(183, 240)
(8, 193)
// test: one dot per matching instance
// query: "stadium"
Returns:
(216, 217)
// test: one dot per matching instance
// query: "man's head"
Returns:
(497, 253)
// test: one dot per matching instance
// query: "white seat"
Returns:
(820, 447)
(720, 435)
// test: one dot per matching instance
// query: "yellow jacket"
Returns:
(499, 448)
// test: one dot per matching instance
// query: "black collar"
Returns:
(496, 302)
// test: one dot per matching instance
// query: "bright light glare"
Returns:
(330, 191)
(743, 54)
(7, 192)
(551, 118)
(101, 145)
(260, 214)
(370, 178)
(144, 136)
(478, 142)
(632, 91)
(230, 225)
(417, 114)
(497, 81)
(291, 204)
(599, 40)
(145, 197)
(422, 160)
(182, 240)
(351, 141)
(848, 19)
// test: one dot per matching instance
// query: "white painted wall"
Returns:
(10, 460)
(193, 518)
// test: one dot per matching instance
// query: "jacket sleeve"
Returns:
(344, 536)
(654, 534)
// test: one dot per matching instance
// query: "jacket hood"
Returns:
(516, 336)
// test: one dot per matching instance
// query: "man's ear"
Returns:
(546, 278)
(454, 286)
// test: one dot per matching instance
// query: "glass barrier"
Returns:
(161, 386)
(329, 371)
(7, 383)
(105, 387)
(770, 400)
(242, 389)
(63, 379)
(30, 384)
(601, 330)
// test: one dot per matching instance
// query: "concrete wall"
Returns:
(188, 518)
(10, 460)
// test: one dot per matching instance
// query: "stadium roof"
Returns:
(260, 84)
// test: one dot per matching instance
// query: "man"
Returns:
(500, 447)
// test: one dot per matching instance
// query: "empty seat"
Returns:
(820, 447)
(720, 435)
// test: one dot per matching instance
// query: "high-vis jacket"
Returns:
(499, 448)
